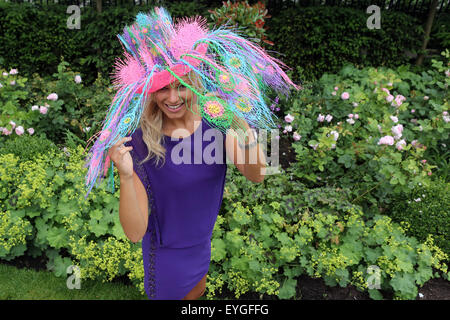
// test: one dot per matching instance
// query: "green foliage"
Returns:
(78, 111)
(45, 39)
(265, 237)
(346, 154)
(26, 147)
(440, 32)
(13, 234)
(269, 234)
(47, 192)
(426, 211)
(315, 40)
(250, 18)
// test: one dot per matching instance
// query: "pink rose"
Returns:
(400, 144)
(320, 118)
(296, 136)
(398, 100)
(13, 124)
(30, 131)
(19, 130)
(52, 96)
(389, 98)
(77, 79)
(397, 130)
(386, 140)
(334, 93)
(43, 110)
(345, 95)
(13, 71)
(6, 132)
(289, 118)
(34, 108)
(336, 88)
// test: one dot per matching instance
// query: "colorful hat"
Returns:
(157, 52)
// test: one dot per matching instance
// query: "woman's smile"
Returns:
(174, 108)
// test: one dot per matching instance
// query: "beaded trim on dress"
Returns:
(140, 171)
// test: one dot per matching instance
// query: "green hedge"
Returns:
(312, 40)
(427, 210)
(316, 40)
(34, 38)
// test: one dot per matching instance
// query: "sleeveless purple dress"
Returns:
(185, 195)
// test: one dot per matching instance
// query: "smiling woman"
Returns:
(160, 118)
(170, 69)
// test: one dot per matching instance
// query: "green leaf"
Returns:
(97, 228)
(218, 250)
(375, 294)
(58, 237)
(287, 291)
(404, 284)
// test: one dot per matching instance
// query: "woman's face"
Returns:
(173, 99)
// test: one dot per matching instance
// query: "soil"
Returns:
(307, 288)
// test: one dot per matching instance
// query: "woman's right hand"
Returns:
(121, 157)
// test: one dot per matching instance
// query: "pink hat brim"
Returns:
(163, 78)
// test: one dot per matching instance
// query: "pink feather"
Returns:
(127, 72)
(187, 32)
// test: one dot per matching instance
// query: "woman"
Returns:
(187, 196)
(184, 95)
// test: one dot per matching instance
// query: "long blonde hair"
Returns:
(151, 123)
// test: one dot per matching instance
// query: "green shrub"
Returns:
(427, 211)
(13, 234)
(26, 147)
(340, 138)
(78, 110)
(45, 38)
(271, 233)
(265, 236)
(315, 40)
(48, 193)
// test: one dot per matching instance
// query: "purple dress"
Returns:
(184, 200)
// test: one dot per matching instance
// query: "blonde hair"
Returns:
(151, 122)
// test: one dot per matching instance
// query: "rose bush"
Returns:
(52, 108)
(377, 131)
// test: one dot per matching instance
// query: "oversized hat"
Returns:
(157, 52)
